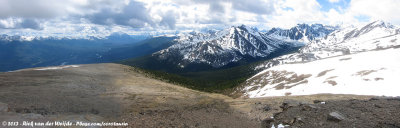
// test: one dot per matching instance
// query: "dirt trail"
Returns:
(113, 92)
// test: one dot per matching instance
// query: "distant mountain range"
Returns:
(17, 52)
(233, 46)
(223, 47)
(116, 37)
(302, 32)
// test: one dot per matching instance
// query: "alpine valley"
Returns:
(239, 60)
(305, 76)
(220, 60)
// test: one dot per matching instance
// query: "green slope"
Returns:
(216, 80)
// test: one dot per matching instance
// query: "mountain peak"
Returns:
(380, 23)
(302, 32)
(243, 26)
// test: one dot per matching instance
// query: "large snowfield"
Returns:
(367, 73)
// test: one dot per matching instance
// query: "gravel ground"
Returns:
(380, 112)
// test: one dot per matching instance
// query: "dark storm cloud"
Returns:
(169, 19)
(217, 7)
(22, 24)
(253, 6)
(30, 8)
(134, 15)
(29, 23)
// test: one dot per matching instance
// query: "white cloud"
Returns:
(133, 16)
(334, 1)
(291, 12)
(197, 14)
(377, 10)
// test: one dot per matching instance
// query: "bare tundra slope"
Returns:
(113, 92)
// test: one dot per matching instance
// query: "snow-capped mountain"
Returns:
(302, 32)
(223, 47)
(366, 73)
(354, 60)
(373, 36)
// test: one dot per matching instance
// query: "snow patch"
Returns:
(58, 67)
(366, 73)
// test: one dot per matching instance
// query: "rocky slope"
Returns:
(374, 112)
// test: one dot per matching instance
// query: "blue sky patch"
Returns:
(326, 5)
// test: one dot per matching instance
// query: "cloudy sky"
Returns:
(102, 17)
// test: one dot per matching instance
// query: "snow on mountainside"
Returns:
(359, 60)
(376, 35)
(367, 73)
(302, 32)
(373, 36)
(222, 47)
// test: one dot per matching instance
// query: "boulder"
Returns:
(266, 123)
(309, 107)
(3, 107)
(393, 98)
(317, 101)
(336, 116)
(290, 103)
(266, 108)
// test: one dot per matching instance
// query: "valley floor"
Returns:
(118, 93)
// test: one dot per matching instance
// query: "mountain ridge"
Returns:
(222, 47)
(347, 40)
(303, 32)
